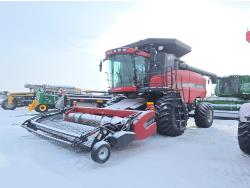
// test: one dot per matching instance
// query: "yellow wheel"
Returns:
(42, 108)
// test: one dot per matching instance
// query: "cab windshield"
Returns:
(229, 86)
(126, 70)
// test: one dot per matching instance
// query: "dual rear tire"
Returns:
(172, 115)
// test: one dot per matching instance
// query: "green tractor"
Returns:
(231, 93)
(44, 101)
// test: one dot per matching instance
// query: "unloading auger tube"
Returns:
(184, 66)
(104, 129)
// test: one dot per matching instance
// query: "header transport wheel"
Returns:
(203, 115)
(100, 152)
(171, 115)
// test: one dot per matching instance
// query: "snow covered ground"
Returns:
(199, 158)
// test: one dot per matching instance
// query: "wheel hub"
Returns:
(42, 107)
(103, 153)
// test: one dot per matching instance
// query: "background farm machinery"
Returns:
(46, 100)
(43, 97)
(19, 99)
(231, 93)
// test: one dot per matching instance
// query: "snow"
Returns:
(199, 158)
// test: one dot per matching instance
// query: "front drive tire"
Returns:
(244, 136)
(203, 115)
(171, 115)
(101, 152)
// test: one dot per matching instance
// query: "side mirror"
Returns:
(100, 66)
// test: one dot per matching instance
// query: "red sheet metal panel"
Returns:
(191, 84)
(143, 126)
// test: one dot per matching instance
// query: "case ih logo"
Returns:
(248, 36)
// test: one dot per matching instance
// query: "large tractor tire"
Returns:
(244, 136)
(203, 115)
(42, 108)
(171, 115)
(6, 106)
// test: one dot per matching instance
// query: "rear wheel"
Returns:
(5, 105)
(203, 115)
(42, 108)
(171, 115)
(100, 152)
(244, 136)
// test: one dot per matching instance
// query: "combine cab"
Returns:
(153, 91)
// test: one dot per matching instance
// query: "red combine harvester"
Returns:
(153, 92)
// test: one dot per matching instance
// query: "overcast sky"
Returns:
(61, 43)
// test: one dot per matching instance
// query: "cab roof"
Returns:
(171, 46)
